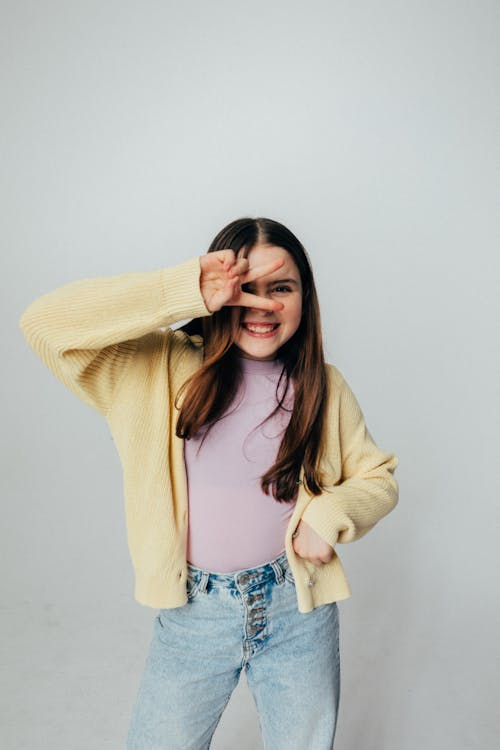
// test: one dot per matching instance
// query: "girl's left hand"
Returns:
(310, 546)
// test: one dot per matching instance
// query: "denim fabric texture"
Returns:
(249, 620)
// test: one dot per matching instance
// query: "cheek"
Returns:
(294, 316)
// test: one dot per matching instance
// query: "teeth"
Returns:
(259, 329)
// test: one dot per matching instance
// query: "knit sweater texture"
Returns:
(108, 340)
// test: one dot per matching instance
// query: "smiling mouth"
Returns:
(255, 329)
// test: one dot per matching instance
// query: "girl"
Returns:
(246, 459)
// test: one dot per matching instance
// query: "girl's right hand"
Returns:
(222, 276)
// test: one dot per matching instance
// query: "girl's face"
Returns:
(285, 285)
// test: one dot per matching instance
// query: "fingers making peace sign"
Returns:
(222, 276)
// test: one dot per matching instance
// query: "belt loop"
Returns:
(278, 571)
(202, 586)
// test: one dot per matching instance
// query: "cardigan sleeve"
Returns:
(367, 490)
(86, 331)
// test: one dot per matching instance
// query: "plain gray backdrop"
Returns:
(132, 133)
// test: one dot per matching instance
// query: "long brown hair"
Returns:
(212, 388)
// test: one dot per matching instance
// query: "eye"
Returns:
(248, 287)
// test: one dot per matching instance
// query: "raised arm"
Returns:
(86, 331)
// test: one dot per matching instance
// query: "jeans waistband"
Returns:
(240, 579)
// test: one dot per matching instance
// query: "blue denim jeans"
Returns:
(247, 619)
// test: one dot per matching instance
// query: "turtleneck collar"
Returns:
(264, 366)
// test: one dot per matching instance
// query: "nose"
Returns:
(257, 313)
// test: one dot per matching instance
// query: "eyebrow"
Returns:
(279, 281)
(282, 281)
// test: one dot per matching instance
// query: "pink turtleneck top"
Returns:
(233, 524)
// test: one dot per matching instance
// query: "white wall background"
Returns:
(132, 132)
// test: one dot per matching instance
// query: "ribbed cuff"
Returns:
(325, 519)
(181, 294)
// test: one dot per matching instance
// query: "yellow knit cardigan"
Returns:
(109, 341)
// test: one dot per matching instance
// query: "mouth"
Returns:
(260, 330)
